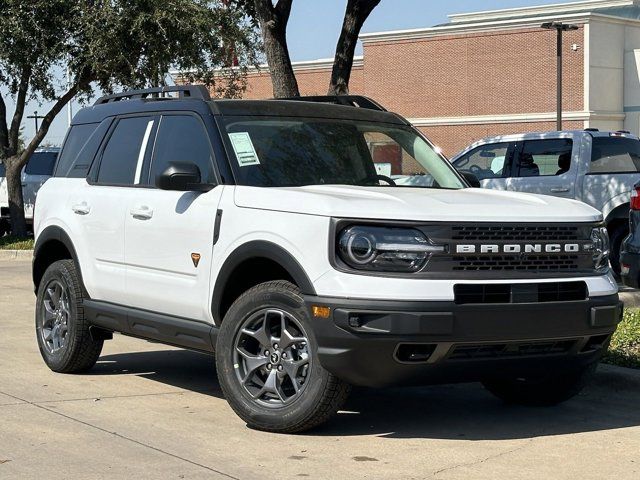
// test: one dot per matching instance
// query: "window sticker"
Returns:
(243, 147)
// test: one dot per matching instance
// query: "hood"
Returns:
(421, 204)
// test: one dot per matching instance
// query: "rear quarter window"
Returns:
(615, 155)
(70, 162)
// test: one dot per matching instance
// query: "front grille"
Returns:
(520, 293)
(525, 233)
(466, 263)
(510, 350)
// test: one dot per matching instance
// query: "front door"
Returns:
(546, 167)
(169, 234)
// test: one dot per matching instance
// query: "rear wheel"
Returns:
(62, 330)
(541, 391)
(267, 362)
(617, 234)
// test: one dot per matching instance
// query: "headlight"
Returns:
(599, 247)
(385, 249)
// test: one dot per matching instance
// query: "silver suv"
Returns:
(597, 168)
(38, 170)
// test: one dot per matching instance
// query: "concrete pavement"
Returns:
(150, 411)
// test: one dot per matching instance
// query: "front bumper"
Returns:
(380, 343)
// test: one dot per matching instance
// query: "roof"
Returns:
(576, 12)
(283, 108)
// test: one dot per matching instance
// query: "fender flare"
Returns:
(258, 249)
(52, 232)
(621, 212)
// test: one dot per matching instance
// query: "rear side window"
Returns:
(545, 158)
(615, 155)
(124, 153)
(41, 163)
(77, 138)
(182, 138)
(486, 161)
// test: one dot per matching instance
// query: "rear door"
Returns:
(491, 163)
(170, 234)
(38, 170)
(546, 166)
(100, 206)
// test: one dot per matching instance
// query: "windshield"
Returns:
(291, 152)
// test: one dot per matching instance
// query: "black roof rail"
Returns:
(346, 100)
(199, 92)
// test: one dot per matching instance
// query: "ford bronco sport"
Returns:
(275, 235)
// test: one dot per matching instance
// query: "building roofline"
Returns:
(497, 25)
(557, 8)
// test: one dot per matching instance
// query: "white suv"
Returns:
(264, 232)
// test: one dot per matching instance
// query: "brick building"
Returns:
(494, 72)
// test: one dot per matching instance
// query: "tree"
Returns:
(355, 15)
(272, 18)
(108, 44)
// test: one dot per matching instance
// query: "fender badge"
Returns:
(195, 257)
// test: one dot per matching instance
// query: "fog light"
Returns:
(320, 312)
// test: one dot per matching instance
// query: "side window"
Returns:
(41, 163)
(76, 139)
(615, 155)
(545, 158)
(124, 154)
(182, 138)
(486, 161)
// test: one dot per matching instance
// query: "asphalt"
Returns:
(150, 411)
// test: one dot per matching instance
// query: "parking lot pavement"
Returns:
(150, 411)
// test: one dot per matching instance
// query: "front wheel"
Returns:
(267, 362)
(541, 391)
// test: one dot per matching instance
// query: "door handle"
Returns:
(81, 208)
(141, 213)
(559, 190)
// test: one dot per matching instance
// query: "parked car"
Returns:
(38, 170)
(263, 233)
(598, 168)
(630, 256)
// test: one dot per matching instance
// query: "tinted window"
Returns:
(486, 161)
(541, 158)
(76, 139)
(615, 154)
(41, 163)
(2, 171)
(125, 150)
(182, 138)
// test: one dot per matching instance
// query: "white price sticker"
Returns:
(244, 149)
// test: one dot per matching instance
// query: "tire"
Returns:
(260, 386)
(62, 329)
(616, 236)
(5, 228)
(547, 391)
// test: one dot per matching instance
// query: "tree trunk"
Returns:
(273, 25)
(355, 15)
(14, 190)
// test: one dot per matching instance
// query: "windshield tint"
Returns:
(289, 152)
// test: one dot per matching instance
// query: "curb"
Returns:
(16, 254)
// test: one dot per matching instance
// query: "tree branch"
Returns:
(283, 10)
(46, 123)
(4, 132)
(21, 100)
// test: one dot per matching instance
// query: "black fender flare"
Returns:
(621, 212)
(52, 232)
(258, 249)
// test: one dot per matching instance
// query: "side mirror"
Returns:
(471, 179)
(182, 177)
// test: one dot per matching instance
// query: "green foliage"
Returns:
(14, 243)
(625, 345)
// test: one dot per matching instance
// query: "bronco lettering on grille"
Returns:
(525, 248)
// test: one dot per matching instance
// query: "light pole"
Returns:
(559, 27)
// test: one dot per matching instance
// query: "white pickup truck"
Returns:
(597, 168)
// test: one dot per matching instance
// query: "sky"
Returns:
(313, 30)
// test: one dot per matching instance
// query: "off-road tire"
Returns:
(323, 394)
(547, 391)
(616, 237)
(80, 351)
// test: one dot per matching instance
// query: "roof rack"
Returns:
(346, 100)
(199, 92)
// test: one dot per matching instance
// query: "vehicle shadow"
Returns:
(454, 412)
